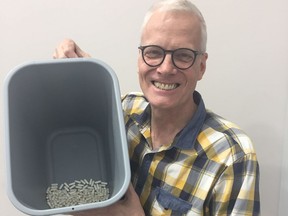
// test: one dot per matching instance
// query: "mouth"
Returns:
(165, 86)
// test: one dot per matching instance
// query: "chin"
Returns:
(161, 103)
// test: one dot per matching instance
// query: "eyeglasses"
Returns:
(182, 58)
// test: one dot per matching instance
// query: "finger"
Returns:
(130, 195)
(55, 54)
(70, 53)
(60, 55)
(66, 49)
(80, 53)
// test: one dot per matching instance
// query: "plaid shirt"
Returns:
(210, 168)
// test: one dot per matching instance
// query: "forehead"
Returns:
(173, 29)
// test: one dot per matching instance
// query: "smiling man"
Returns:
(168, 78)
(185, 159)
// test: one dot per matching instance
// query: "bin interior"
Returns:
(63, 126)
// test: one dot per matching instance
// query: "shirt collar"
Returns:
(185, 139)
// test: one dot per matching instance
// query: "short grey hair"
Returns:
(179, 5)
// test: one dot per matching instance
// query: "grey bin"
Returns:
(63, 122)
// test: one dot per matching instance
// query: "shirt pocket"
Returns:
(169, 201)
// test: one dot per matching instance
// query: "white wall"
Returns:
(246, 79)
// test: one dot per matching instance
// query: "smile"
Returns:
(164, 86)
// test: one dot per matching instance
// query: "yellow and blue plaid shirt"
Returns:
(210, 168)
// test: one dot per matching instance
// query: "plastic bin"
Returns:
(63, 122)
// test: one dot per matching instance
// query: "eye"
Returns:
(184, 55)
(153, 52)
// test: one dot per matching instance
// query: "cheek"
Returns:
(198, 72)
(192, 78)
(141, 65)
(141, 73)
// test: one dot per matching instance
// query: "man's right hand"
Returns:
(69, 49)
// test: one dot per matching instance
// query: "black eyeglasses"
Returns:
(182, 58)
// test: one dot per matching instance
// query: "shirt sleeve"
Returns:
(237, 189)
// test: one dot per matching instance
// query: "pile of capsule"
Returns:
(76, 193)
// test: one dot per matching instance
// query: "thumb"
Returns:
(131, 194)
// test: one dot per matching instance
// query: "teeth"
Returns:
(164, 86)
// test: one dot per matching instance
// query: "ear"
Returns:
(202, 66)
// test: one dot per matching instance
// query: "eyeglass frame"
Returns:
(196, 53)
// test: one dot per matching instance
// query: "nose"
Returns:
(167, 66)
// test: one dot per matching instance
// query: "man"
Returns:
(185, 160)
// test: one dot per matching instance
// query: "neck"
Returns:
(165, 124)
